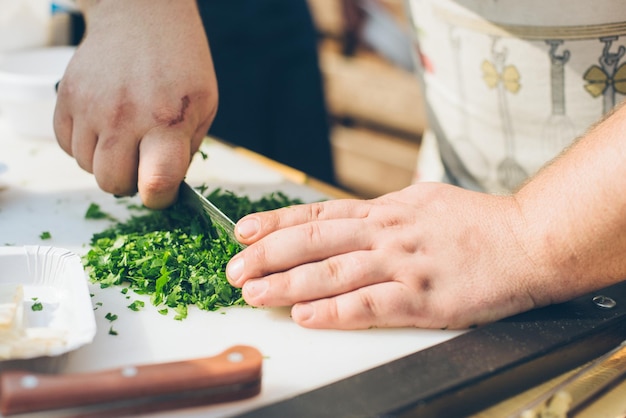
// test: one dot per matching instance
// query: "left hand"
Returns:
(429, 256)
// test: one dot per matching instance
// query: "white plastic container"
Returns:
(55, 279)
(27, 88)
(24, 24)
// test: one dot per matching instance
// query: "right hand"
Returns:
(138, 96)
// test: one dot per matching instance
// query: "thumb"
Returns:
(164, 157)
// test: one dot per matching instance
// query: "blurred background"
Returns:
(374, 98)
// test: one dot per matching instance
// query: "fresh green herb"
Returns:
(176, 256)
(110, 317)
(136, 305)
(94, 212)
(45, 235)
(181, 311)
(112, 331)
(37, 306)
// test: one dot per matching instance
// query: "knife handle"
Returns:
(233, 374)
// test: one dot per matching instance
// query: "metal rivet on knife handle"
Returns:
(29, 381)
(235, 357)
(129, 371)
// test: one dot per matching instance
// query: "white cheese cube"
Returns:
(11, 307)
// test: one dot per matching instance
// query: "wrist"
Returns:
(538, 268)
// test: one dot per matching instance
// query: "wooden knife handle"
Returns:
(237, 369)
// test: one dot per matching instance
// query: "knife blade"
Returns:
(231, 375)
(196, 200)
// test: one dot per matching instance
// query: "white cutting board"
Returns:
(43, 189)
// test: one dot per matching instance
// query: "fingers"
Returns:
(352, 291)
(164, 158)
(83, 145)
(382, 305)
(293, 246)
(330, 277)
(123, 162)
(122, 165)
(62, 122)
(115, 160)
(253, 227)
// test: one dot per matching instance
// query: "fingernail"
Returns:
(248, 227)
(234, 270)
(302, 312)
(255, 288)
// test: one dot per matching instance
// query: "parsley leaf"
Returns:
(94, 212)
(36, 306)
(136, 305)
(110, 317)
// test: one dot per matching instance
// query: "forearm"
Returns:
(575, 213)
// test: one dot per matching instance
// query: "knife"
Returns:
(579, 390)
(195, 199)
(233, 374)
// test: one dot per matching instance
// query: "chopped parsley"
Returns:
(175, 255)
(136, 305)
(45, 235)
(36, 306)
(94, 212)
(110, 317)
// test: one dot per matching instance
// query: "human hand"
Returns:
(429, 256)
(138, 96)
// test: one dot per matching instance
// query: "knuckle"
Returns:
(269, 221)
(313, 233)
(256, 255)
(159, 184)
(368, 303)
(331, 310)
(333, 269)
(316, 210)
(115, 188)
(67, 87)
